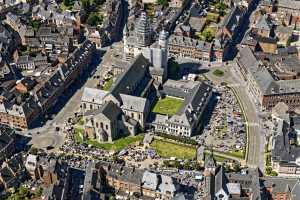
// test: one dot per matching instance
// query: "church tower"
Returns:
(143, 31)
(125, 42)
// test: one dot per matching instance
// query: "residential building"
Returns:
(266, 88)
(7, 142)
(181, 46)
(25, 102)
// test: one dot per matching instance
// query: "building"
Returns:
(140, 42)
(285, 152)
(123, 109)
(187, 121)
(7, 142)
(12, 172)
(231, 23)
(266, 88)
(181, 46)
(25, 102)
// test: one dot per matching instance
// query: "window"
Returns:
(101, 125)
(106, 127)
(97, 125)
(84, 105)
(91, 106)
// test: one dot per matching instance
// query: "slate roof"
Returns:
(108, 109)
(128, 82)
(264, 23)
(221, 180)
(189, 42)
(134, 103)
(259, 73)
(93, 95)
(283, 151)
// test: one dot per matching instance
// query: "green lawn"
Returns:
(237, 154)
(169, 149)
(217, 158)
(108, 84)
(167, 106)
(218, 72)
(117, 144)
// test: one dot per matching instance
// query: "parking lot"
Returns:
(226, 130)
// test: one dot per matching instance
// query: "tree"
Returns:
(268, 170)
(94, 19)
(221, 8)
(208, 35)
(236, 167)
(162, 2)
(86, 5)
(68, 3)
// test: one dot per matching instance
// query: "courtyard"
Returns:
(167, 106)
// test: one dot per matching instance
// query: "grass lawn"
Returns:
(167, 106)
(79, 135)
(237, 154)
(118, 144)
(107, 84)
(169, 149)
(217, 158)
(218, 72)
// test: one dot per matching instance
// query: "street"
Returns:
(255, 139)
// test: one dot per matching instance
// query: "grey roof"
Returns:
(264, 23)
(108, 109)
(283, 151)
(178, 89)
(150, 180)
(167, 185)
(221, 180)
(126, 174)
(134, 103)
(289, 4)
(129, 81)
(257, 70)
(189, 42)
(210, 162)
(234, 188)
(93, 95)
(296, 190)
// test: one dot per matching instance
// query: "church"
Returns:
(140, 41)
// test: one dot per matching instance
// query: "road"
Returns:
(255, 138)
